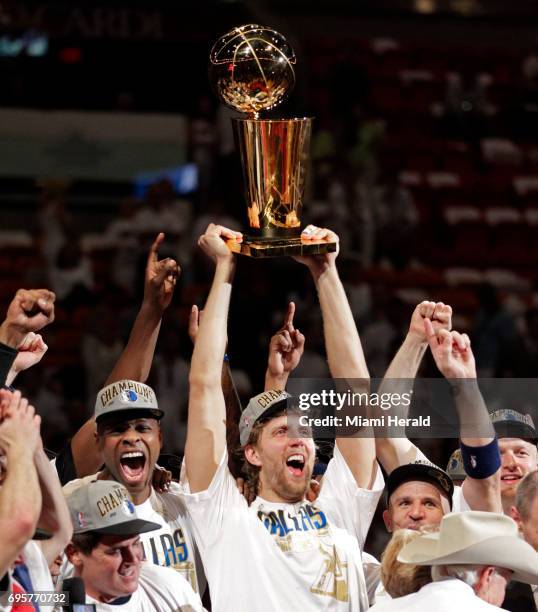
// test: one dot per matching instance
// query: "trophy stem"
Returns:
(274, 156)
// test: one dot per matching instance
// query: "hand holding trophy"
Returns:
(251, 70)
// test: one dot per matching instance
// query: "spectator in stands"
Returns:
(71, 276)
(466, 108)
(381, 333)
(396, 220)
(101, 348)
(162, 209)
(55, 221)
(122, 234)
(203, 147)
(171, 383)
(524, 110)
(526, 350)
(495, 334)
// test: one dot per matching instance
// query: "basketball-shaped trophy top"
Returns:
(251, 68)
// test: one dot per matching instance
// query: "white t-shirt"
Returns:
(37, 565)
(444, 596)
(35, 561)
(276, 556)
(459, 503)
(372, 575)
(160, 589)
(172, 545)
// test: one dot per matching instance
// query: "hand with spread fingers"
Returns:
(29, 311)
(438, 313)
(312, 233)
(213, 242)
(451, 351)
(161, 277)
(286, 347)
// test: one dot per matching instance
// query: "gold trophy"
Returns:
(251, 69)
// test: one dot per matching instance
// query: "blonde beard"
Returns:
(279, 485)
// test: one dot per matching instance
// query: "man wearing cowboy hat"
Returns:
(524, 597)
(473, 558)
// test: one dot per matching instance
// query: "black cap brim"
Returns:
(129, 528)
(421, 472)
(119, 416)
(515, 429)
(279, 406)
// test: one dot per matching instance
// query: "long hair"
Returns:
(401, 579)
(250, 471)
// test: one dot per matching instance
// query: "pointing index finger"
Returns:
(155, 247)
(288, 319)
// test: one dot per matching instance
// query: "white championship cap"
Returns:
(104, 506)
(127, 396)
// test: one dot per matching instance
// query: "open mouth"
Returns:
(129, 578)
(132, 464)
(295, 464)
(510, 478)
(127, 573)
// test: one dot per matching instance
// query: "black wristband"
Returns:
(481, 461)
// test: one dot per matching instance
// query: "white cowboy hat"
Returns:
(475, 538)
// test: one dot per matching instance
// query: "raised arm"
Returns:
(344, 350)
(231, 399)
(20, 495)
(393, 452)
(55, 518)
(29, 311)
(135, 361)
(160, 279)
(206, 431)
(455, 360)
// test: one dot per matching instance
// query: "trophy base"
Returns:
(287, 247)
